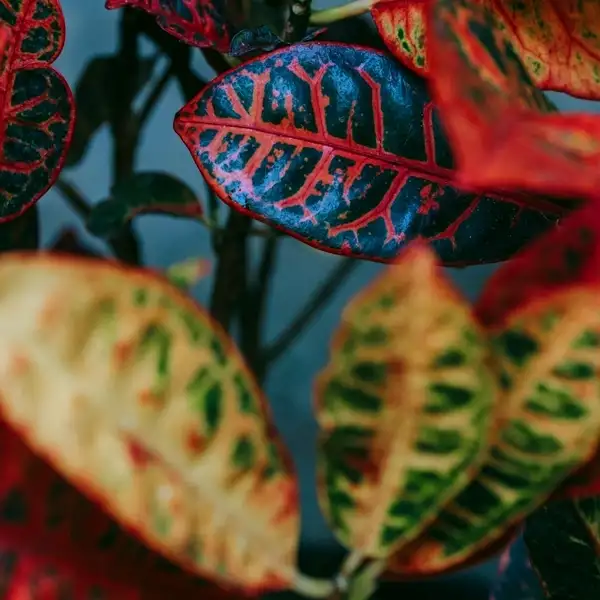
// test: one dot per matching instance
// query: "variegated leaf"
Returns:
(548, 363)
(131, 391)
(187, 273)
(404, 406)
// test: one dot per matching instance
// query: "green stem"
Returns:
(154, 95)
(74, 197)
(338, 13)
(315, 304)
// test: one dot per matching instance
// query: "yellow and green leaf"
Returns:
(558, 44)
(404, 406)
(549, 371)
(131, 391)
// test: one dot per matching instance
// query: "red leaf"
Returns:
(500, 126)
(36, 104)
(54, 543)
(556, 41)
(341, 147)
(201, 23)
(567, 256)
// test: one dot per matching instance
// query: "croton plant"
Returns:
(139, 459)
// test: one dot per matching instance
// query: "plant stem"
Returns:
(154, 95)
(125, 128)
(297, 21)
(315, 304)
(331, 15)
(253, 309)
(74, 197)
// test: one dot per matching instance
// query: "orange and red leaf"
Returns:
(504, 132)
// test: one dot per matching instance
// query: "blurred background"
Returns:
(92, 31)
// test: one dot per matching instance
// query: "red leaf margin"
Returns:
(6, 36)
(51, 546)
(499, 135)
(203, 33)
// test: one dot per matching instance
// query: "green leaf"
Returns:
(22, 233)
(143, 193)
(187, 273)
(132, 392)
(404, 407)
(563, 539)
(95, 100)
(549, 425)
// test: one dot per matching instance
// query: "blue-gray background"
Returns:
(92, 30)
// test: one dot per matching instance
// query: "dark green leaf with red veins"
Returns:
(501, 127)
(549, 418)
(404, 407)
(516, 579)
(95, 100)
(200, 23)
(567, 256)
(143, 193)
(342, 148)
(585, 483)
(36, 105)
(22, 233)
(68, 241)
(55, 543)
(563, 539)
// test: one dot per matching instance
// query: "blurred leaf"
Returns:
(22, 233)
(94, 97)
(69, 242)
(37, 111)
(143, 193)
(563, 539)
(503, 131)
(54, 543)
(187, 273)
(128, 388)
(516, 579)
(404, 406)
(548, 426)
(539, 32)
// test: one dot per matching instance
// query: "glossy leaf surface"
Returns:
(502, 129)
(564, 545)
(404, 407)
(342, 148)
(54, 543)
(516, 579)
(557, 42)
(36, 105)
(143, 193)
(133, 393)
(95, 100)
(549, 425)
(200, 23)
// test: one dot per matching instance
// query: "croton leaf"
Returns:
(201, 23)
(341, 147)
(54, 543)
(22, 233)
(563, 539)
(502, 129)
(37, 108)
(187, 273)
(95, 100)
(516, 579)
(143, 193)
(128, 388)
(549, 425)
(543, 33)
(404, 406)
